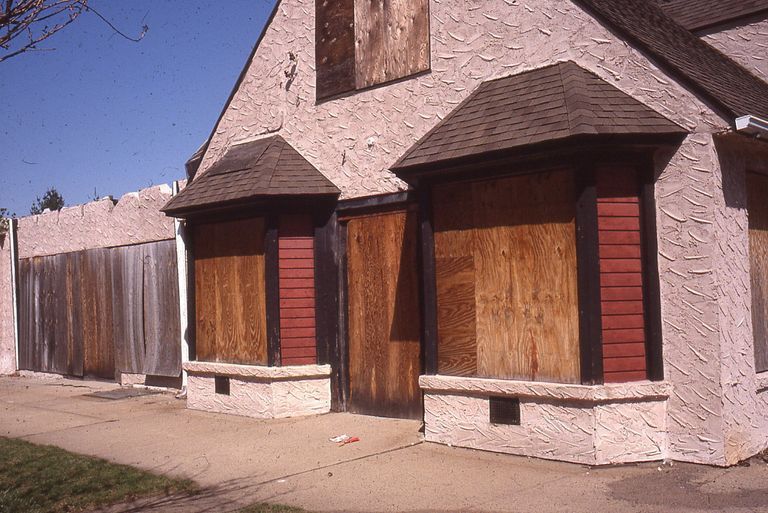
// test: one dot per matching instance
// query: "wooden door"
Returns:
(383, 316)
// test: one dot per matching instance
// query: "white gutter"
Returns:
(181, 263)
(752, 125)
(13, 240)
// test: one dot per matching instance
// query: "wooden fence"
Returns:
(100, 312)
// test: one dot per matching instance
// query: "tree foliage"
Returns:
(4, 222)
(51, 200)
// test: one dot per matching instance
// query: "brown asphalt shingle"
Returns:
(733, 90)
(546, 104)
(266, 168)
(701, 14)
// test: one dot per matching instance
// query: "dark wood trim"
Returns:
(375, 204)
(327, 301)
(651, 283)
(257, 207)
(429, 345)
(189, 240)
(588, 258)
(343, 319)
(272, 286)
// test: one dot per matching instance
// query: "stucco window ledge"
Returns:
(638, 391)
(258, 371)
(761, 381)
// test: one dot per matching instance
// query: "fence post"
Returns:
(13, 239)
(181, 263)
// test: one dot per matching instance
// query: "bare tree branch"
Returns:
(40, 19)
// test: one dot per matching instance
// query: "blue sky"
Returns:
(100, 115)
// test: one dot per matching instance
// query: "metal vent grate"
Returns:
(505, 410)
(222, 384)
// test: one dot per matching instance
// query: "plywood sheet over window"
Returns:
(392, 40)
(507, 295)
(384, 326)
(362, 43)
(757, 202)
(230, 303)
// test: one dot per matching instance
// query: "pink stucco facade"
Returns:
(134, 219)
(745, 43)
(7, 340)
(354, 140)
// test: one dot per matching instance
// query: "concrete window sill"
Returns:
(609, 393)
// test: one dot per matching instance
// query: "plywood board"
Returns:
(392, 40)
(517, 237)
(334, 47)
(383, 316)
(162, 330)
(230, 292)
(757, 201)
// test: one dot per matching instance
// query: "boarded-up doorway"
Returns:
(383, 316)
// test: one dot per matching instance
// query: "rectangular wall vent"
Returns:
(222, 384)
(505, 410)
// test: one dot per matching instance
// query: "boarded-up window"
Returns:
(621, 275)
(506, 271)
(757, 202)
(298, 344)
(362, 43)
(230, 292)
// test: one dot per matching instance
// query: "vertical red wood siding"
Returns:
(621, 276)
(298, 344)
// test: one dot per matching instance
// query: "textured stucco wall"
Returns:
(746, 43)
(745, 402)
(589, 425)
(7, 341)
(135, 219)
(260, 392)
(355, 139)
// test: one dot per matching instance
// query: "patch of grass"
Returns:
(45, 479)
(270, 508)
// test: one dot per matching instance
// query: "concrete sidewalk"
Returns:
(291, 461)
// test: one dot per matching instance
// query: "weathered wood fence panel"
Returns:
(90, 312)
(161, 310)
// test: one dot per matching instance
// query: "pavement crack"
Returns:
(339, 463)
(67, 429)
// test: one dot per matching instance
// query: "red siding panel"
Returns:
(621, 276)
(298, 344)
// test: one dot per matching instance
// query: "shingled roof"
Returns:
(546, 104)
(730, 88)
(700, 14)
(261, 169)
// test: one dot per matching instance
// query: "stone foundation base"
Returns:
(259, 392)
(594, 425)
